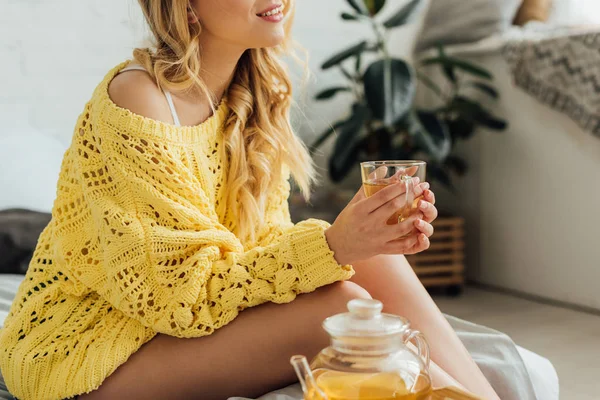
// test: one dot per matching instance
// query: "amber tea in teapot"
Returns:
(368, 386)
(368, 358)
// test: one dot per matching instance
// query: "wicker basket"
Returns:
(443, 263)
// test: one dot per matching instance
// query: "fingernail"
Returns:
(426, 186)
(423, 205)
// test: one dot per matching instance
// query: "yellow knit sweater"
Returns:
(137, 246)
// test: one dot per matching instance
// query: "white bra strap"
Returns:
(132, 67)
(167, 94)
(172, 107)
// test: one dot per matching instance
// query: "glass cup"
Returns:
(376, 175)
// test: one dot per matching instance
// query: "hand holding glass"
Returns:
(377, 175)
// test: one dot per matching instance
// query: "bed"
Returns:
(516, 373)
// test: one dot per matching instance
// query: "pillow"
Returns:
(533, 10)
(574, 13)
(465, 21)
(19, 233)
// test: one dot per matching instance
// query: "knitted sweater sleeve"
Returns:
(150, 242)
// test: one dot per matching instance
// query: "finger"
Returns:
(422, 244)
(420, 189)
(429, 211)
(401, 246)
(387, 210)
(411, 171)
(404, 228)
(390, 208)
(423, 227)
(429, 196)
(385, 195)
(379, 173)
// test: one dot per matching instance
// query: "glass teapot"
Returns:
(369, 358)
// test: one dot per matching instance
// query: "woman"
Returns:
(171, 218)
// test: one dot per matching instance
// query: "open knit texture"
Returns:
(137, 246)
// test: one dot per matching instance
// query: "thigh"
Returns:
(249, 357)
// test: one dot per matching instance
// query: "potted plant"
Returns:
(384, 122)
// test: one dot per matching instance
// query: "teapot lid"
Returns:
(364, 319)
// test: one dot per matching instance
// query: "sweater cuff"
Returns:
(315, 261)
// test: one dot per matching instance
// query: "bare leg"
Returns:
(249, 357)
(391, 280)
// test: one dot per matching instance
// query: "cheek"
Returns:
(225, 17)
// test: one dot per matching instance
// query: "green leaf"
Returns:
(358, 6)
(348, 143)
(374, 6)
(430, 83)
(329, 93)
(431, 134)
(489, 121)
(435, 172)
(473, 112)
(456, 164)
(324, 136)
(344, 54)
(357, 65)
(485, 88)
(461, 128)
(402, 90)
(446, 61)
(446, 68)
(449, 72)
(337, 173)
(349, 17)
(465, 108)
(403, 15)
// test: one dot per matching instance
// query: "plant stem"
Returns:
(431, 85)
(387, 73)
(354, 83)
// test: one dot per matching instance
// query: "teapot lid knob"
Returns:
(364, 319)
(365, 308)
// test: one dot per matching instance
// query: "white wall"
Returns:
(53, 54)
(531, 200)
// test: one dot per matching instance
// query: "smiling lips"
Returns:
(275, 14)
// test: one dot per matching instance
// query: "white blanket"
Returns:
(515, 373)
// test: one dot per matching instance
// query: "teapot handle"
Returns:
(418, 339)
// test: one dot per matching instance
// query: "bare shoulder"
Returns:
(137, 92)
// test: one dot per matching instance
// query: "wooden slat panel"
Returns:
(454, 233)
(443, 263)
(425, 257)
(442, 281)
(454, 245)
(443, 222)
(455, 268)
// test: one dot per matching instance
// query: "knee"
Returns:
(345, 291)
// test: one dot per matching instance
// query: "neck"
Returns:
(219, 62)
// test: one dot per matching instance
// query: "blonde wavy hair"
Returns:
(259, 139)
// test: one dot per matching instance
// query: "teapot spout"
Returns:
(306, 378)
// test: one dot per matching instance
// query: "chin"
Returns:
(272, 39)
